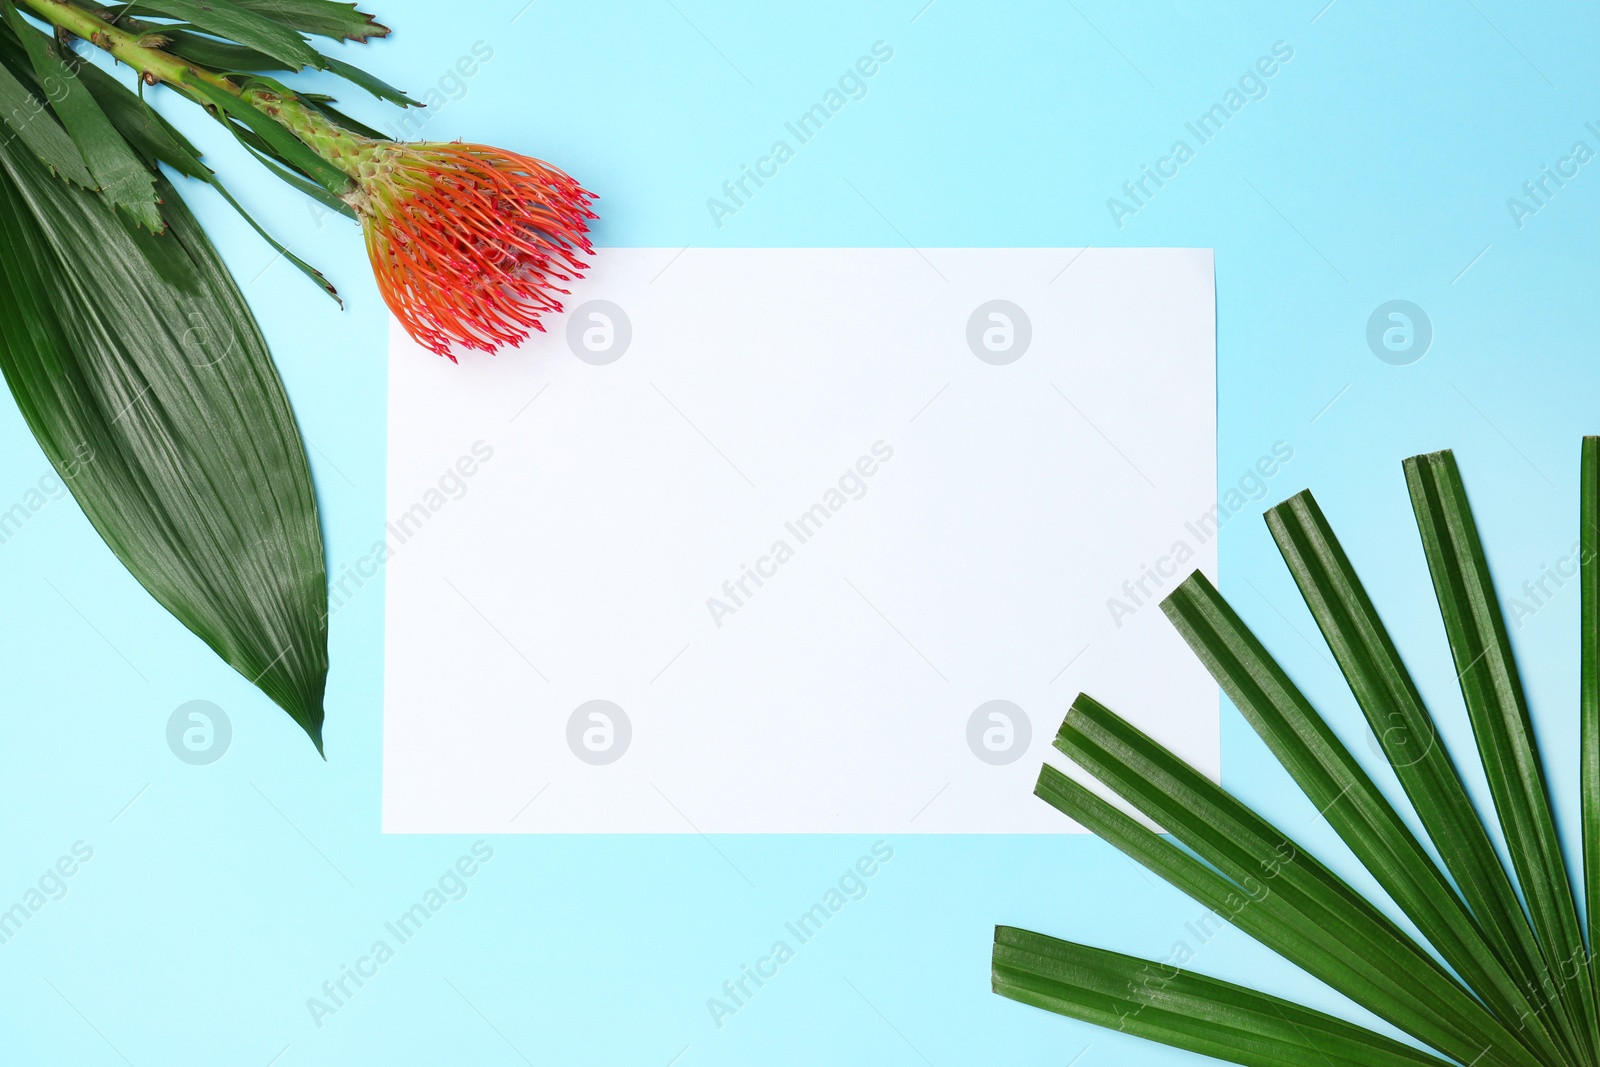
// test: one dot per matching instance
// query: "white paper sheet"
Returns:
(797, 540)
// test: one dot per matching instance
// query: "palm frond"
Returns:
(1516, 986)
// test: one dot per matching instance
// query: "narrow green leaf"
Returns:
(138, 367)
(239, 24)
(285, 144)
(1589, 689)
(1183, 1009)
(1498, 710)
(323, 18)
(262, 151)
(1394, 709)
(1316, 919)
(1343, 793)
(374, 85)
(223, 57)
(227, 57)
(28, 117)
(121, 176)
(301, 265)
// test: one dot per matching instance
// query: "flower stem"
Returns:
(153, 65)
(350, 152)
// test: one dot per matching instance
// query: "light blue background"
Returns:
(1377, 167)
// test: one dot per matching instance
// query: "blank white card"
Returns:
(796, 541)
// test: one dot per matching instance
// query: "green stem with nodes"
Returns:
(349, 152)
(155, 66)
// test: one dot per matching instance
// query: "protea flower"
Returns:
(471, 245)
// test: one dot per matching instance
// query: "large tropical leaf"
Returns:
(1519, 987)
(139, 368)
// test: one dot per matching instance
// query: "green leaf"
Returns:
(323, 18)
(157, 140)
(1589, 657)
(324, 105)
(1186, 1010)
(284, 144)
(239, 24)
(1270, 886)
(146, 131)
(29, 118)
(299, 264)
(1394, 710)
(274, 163)
(1346, 797)
(120, 174)
(376, 86)
(223, 57)
(1498, 710)
(138, 367)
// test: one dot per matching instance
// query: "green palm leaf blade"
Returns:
(1180, 1008)
(139, 369)
(1350, 801)
(1589, 688)
(1389, 699)
(1498, 710)
(1296, 906)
